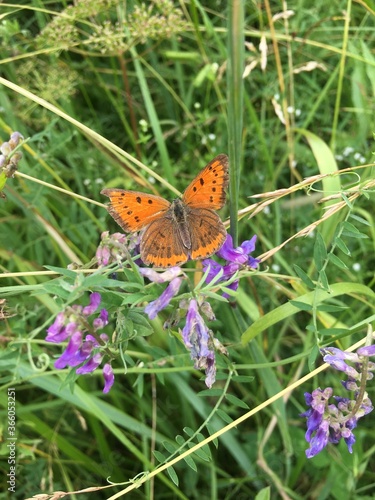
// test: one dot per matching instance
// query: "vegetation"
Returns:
(141, 96)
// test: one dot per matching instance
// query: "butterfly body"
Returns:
(187, 228)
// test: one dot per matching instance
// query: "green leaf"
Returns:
(352, 232)
(320, 252)
(173, 475)
(304, 277)
(243, 379)
(340, 243)
(188, 459)
(312, 357)
(200, 453)
(302, 305)
(333, 332)
(236, 401)
(287, 310)
(336, 261)
(347, 201)
(189, 431)
(170, 447)
(359, 219)
(159, 456)
(330, 308)
(136, 324)
(180, 440)
(324, 281)
(224, 416)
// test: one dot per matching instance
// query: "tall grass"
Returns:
(141, 97)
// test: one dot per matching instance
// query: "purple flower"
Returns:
(91, 365)
(329, 423)
(320, 439)
(109, 377)
(86, 345)
(115, 248)
(235, 257)
(153, 308)
(158, 277)
(241, 254)
(198, 339)
(95, 300)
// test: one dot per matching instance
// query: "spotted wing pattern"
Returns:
(133, 210)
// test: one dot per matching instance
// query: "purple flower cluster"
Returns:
(235, 257)
(329, 423)
(85, 343)
(200, 341)
(116, 247)
(197, 337)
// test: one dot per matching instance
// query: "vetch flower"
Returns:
(235, 257)
(199, 340)
(109, 377)
(329, 423)
(241, 254)
(116, 247)
(153, 308)
(171, 275)
(86, 345)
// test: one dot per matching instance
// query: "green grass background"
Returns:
(141, 96)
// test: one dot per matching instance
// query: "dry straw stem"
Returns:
(272, 196)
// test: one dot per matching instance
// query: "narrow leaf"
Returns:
(360, 219)
(301, 305)
(191, 463)
(173, 475)
(189, 431)
(320, 252)
(236, 401)
(324, 281)
(224, 416)
(304, 277)
(340, 243)
(171, 448)
(159, 456)
(338, 262)
(330, 308)
(180, 440)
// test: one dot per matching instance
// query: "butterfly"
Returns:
(187, 228)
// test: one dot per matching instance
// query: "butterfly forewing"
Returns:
(161, 244)
(207, 190)
(207, 233)
(133, 210)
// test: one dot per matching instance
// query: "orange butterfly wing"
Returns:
(207, 232)
(161, 244)
(133, 210)
(207, 190)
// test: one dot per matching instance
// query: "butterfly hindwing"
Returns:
(207, 233)
(133, 210)
(207, 190)
(161, 244)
